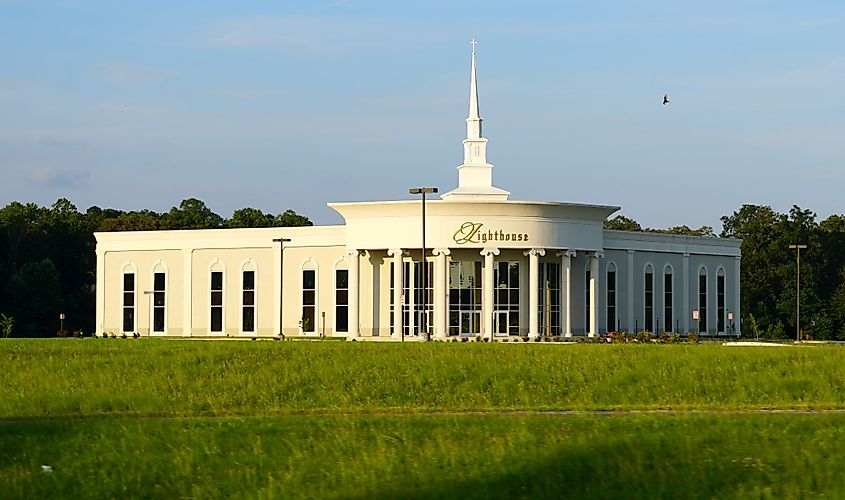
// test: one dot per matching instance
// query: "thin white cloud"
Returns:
(61, 178)
(304, 34)
(125, 73)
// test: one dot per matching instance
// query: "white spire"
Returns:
(473, 120)
(475, 176)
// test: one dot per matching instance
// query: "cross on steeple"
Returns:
(473, 43)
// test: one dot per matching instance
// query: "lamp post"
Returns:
(797, 248)
(422, 191)
(281, 242)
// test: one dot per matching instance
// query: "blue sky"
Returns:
(278, 105)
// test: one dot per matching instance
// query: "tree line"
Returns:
(48, 261)
(768, 269)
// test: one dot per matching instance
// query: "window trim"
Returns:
(706, 298)
(129, 268)
(164, 270)
(309, 264)
(649, 268)
(217, 266)
(339, 266)
(611, 268)
(666, 320)
(249, 265)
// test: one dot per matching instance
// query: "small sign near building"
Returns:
(695, 314)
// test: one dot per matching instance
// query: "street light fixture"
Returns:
(423, 191)
(281, 242)
(797, 248)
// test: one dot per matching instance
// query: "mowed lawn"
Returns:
(170, 418)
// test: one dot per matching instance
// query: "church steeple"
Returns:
(475, 176)
(473, 120)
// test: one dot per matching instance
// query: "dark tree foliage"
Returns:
(48, 261)
(769, 270)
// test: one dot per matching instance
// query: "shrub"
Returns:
(693, 338)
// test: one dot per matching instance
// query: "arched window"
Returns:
(648, 289)
(248, 294)
(720, 300)
(341, 298)
(702, 299)
(159, 299)
(587, 311)
(668, 299)
(216, 297)
(610, 289)
(308, 320)
(129, 296)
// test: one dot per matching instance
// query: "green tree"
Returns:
(622, 223)
(250, 217)
(191, 214)
(289, 218)
(34, 295)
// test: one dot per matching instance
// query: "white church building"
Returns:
(493, 268)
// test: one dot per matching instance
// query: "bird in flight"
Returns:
(665, 99)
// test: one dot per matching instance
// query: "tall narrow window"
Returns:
(248, 302)
(720, 300)
(309, 300)
(464, 297)
(702, 300)
(648, 281)
(506, 297)
(668, 300)
(587, 311)
(549, 295)
(128, 302)
(611, 297)
(216, 301)
(341, 300)
(159, 301)
(418, 297)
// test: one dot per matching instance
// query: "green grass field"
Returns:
(166, 418)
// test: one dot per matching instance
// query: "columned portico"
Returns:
(441, 292)
(396, 253)
(487, 297)
(533, 284)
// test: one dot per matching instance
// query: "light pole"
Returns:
(797, 248)
(281, 242)
(422, 191)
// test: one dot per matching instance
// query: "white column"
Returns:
(441, 293)
(567, 291)
(354, 285)
(487, 295)
(631, 327)
(737, 316)
(99, 327)
(594, 293)
(187, 296)
(686, 312)
(533, 285)
(396, 253)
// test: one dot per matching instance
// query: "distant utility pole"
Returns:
(797, 248)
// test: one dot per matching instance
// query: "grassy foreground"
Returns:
(90, 377)
(158, 418)
(776, 456)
